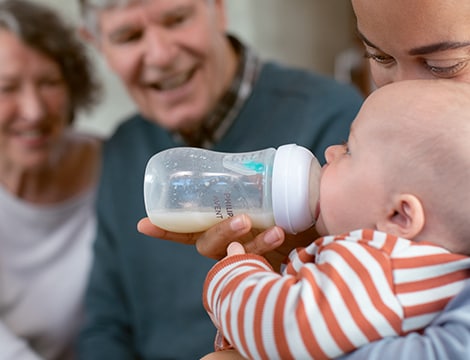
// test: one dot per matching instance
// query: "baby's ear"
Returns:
(405, 218)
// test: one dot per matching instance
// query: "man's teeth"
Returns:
(173, 82)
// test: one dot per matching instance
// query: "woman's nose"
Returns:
(31, 105)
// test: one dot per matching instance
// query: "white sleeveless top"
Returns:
(45, 256)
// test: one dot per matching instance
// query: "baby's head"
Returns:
(406, 166)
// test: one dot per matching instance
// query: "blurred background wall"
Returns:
(311, 34)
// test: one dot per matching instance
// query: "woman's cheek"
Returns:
(380, 76)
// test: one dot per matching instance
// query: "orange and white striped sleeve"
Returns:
(335, 296)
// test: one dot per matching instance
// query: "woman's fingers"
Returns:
(214, 241)
(146, 227)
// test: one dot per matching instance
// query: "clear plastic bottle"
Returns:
(190, 189)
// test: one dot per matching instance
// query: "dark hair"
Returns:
(44, 30)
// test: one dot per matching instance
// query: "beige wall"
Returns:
(304, 33)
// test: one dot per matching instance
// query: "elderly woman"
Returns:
(48, 177)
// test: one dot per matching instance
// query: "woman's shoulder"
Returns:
(83, 158)
(83, 144)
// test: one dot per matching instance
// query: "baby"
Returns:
(396, 197)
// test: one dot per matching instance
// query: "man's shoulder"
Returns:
(135, 122)
(289, 79)
(283, 71)
(135, 128)
(136, 135)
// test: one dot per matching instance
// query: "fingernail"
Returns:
(272, 236)
(237, 223)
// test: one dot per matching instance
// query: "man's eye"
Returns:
(175, 20)
(379, 58)
(126, 37)
(446, 71)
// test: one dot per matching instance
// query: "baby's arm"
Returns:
(239, 286)
(448, 337)
(234, 248)
(225, 349)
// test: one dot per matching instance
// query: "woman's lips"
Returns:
(32, 137)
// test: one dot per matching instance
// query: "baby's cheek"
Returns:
(320, 226)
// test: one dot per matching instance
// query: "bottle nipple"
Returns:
(296, 183)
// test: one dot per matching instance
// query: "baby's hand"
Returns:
(235, 248)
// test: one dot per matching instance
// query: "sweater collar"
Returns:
(215, 126)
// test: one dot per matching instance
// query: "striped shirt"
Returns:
(337, 294)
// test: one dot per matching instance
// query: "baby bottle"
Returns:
(190, 189)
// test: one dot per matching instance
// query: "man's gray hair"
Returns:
(90, 9)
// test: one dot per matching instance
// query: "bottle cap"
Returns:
(292, 189)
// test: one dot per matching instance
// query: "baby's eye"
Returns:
(381, 59)
(446, 71)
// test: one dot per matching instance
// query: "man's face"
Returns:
(172, 55)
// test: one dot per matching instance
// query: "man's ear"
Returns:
(405, 219)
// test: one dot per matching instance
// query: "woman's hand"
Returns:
(213, 242)
(273, 243)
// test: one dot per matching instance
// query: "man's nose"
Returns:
(160, 48)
